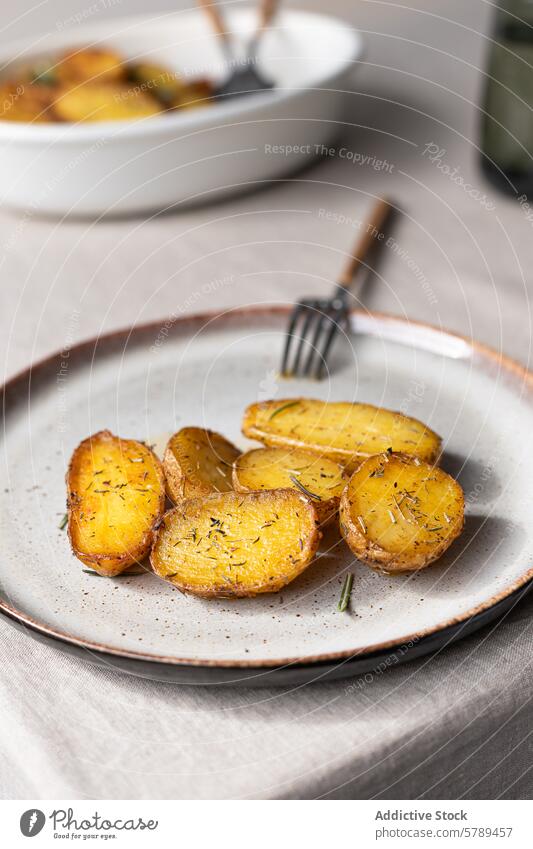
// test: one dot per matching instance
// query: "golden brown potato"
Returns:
(89, 64)
(399, 514)
(167, 86)
(116, 497)
(92, 102)
(236, 544)
(25, 102)
(319, 479)
(343, 432)
(96, 84)
(196, 93)
(198, 462)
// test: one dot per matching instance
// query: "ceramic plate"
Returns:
(147, 382)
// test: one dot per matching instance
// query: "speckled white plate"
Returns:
(147, 382)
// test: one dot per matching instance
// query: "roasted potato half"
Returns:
(116, 497)
(319, 479)
(236, 544)
(166, 85)
(340, 431)
(399, 514)
(198, 462)
(102, 102)
(90, 64)
(25, 102)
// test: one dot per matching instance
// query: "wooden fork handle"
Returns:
(373, 227)
(267, 11)
(216, 17)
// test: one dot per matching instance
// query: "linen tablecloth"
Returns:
(455, 725)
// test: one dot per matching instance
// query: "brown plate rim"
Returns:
(133, 333)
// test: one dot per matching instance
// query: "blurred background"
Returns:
(463, 248)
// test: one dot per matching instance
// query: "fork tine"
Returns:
(322, 316)
(310, 316)
(295, 314)
(334, 319)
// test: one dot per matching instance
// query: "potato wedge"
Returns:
(164, 84)
(90, 64)
(399, 514)
(29, 103)
(340, 431)
(197, 93)
(116, 497)
(236, 544)
(95, 102)
(198, 462)
(319, 479)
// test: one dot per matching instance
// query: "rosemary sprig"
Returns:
(282, 408)
(346, 592)
(63, 523)
(304, 489)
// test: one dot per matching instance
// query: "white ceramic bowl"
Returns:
(155, 163)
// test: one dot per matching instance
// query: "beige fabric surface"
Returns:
(451, 726)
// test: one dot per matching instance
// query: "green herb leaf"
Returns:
(346, 592)
(63, 523)
(282, 408)
(43, 75)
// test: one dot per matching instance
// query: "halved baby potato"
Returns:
(196, 93)
(319, 479)
(164, 84)
(102, 102)
(399, 514)
(90, 64)
(116, 497)
(343, 432)
(236, 544)
(30, 103)
(198, 462)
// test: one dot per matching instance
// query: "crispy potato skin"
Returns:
(399, 514)
(116, 497)
(235, 545)
(198, 462)
(279, 468)
(341, 431)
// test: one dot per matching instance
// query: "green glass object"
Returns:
(507, 123)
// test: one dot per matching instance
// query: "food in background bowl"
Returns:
(92, 84)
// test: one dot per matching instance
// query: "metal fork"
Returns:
(246, 79)
(315, 322)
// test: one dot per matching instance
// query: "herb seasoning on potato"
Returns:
(236, 544)
(343, 432)
(116, 497)
(317, 478)
(399, 513)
